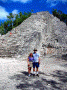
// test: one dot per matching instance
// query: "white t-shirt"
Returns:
(36, 57)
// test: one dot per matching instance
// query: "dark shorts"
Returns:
(35, 64)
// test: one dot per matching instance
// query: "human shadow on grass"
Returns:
(39, 83)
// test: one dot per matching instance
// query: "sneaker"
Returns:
(33, 74)
(29, 75)
(37, 75)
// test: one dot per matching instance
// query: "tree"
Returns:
(11, 17)
(20, 15)
(29, 14)
(2, 29)
(32, 10)
(13, 21)
(60, 15)
(17, 16)
(5, 26)
(54, 12)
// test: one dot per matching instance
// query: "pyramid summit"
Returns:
(41, 30)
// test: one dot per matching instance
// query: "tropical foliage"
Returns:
(12, 21)
(59, 14)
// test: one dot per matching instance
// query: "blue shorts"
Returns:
(35, 64)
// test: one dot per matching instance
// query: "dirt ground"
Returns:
(52, 75)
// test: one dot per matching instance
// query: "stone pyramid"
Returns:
(41, 30)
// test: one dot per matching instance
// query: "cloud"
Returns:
(53, 3)
(4, 0)
(56, 0)
(3, 13)
(15, 11)
(22, 1)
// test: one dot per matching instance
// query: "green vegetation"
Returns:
(12, 21)
(59, 14)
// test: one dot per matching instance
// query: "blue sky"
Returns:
(15, 6)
